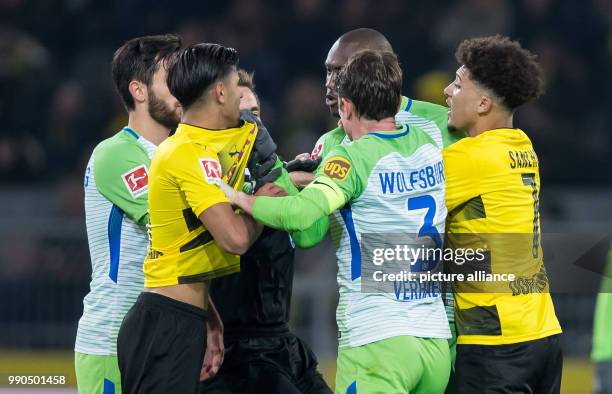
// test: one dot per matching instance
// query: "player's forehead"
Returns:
(462, 73)
(339, 54)
(247, 99)
(246, 93)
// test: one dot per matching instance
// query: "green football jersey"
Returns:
(116, 188)
(429, 117)
(388, 182)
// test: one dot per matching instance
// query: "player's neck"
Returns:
(147, 127)
(208, 117)
(492, 122)
(366, 126)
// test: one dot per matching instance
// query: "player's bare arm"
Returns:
(234, 233)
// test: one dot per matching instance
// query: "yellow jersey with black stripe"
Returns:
(183, 179)
(492, 191)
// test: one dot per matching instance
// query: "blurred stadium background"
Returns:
(57, 102)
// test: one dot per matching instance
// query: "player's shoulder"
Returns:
(119, 143)
(179, 152)
(425, 108)
(332, 136)
(327, 141)
(420, 136)
(118, 149)
(363, 150)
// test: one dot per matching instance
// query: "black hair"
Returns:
(194, 69)
(138, 59)
(503, 66)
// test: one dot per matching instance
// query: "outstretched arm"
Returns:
(292, 213)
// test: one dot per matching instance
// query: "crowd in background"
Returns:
(57, 100)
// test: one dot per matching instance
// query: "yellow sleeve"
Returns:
(461, 176)
(197, 172)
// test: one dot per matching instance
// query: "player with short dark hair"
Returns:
(508, 335)
(116, 184)
(262, 355)
(386, 345)
(195, 235)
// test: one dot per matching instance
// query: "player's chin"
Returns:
(333, 110)
(452, 125)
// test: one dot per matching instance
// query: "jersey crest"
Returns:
(316, 152)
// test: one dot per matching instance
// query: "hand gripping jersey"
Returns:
(184, 173)
(116, 184)
(492, 192)
(388, 182)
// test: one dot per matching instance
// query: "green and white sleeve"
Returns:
(335, 184)
(315, 233)
(121, 175)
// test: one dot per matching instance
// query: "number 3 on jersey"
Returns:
(427, 229)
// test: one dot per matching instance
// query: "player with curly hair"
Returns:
(508, 335)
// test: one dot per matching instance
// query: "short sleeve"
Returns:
(197, 172)
(459, 170)
(122, 176)
(340, 168)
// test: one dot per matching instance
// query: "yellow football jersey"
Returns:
(492, 190)
(183, 179)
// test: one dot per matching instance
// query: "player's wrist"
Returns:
(244, 201)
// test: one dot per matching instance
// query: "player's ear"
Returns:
(138, 90)
(220, 94)
(347, 108)
(485, 105)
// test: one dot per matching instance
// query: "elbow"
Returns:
(305, 243)
(303, 224)
(235, 244)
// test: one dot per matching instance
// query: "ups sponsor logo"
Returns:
(337, 167)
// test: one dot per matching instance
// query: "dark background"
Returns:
(57, 102)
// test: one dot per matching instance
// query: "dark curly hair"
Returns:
(504, 67)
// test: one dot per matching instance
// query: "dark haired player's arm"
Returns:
(234, 233)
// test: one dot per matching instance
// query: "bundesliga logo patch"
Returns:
(212, 170)
(337, 167)
(136, 180)
(316, 152)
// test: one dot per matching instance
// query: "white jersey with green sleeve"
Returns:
(116, 181)
(429, 117)
(388, 182)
